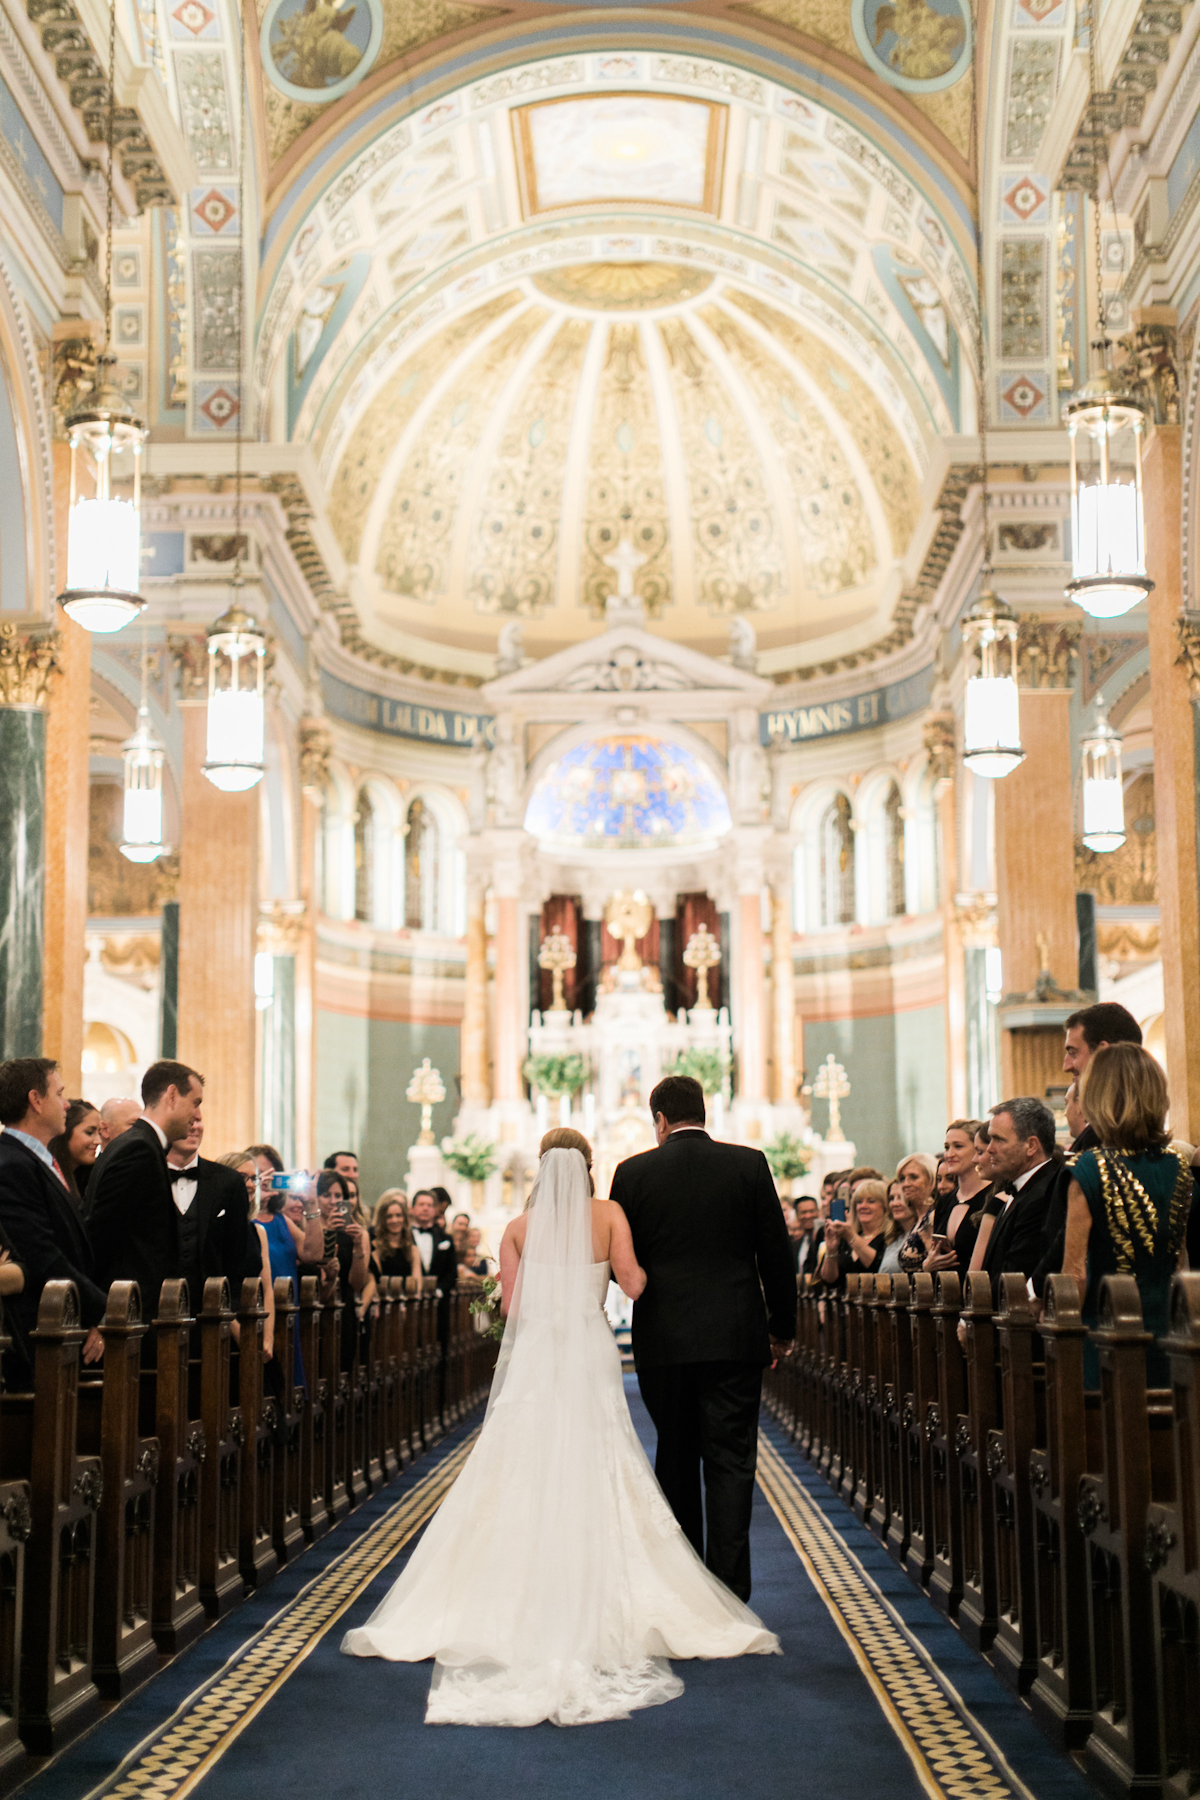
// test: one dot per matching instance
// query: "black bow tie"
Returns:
(182, 1175)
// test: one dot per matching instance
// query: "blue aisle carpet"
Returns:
(875, 1692)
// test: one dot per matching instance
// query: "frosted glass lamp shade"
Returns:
(1103, 787)
(236, 702)
(142, 817)
(992, 716)
(104, 532)
(1107, 528)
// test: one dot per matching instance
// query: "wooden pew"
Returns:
(355, 1436)
(124, 1652)
(1125, 1752)
(220, 1473)
(946, 1575)
(410, 1375)
(15, 1523)
(1022, 1427)
(978, 1608)
(315, 1519)
(336, 1401)
(1061, 1695)
(921, 1429)
(898, 1403)
(877, 1516)
(1172, 1555)
(168, 1412)
(374, 1379)
(38, 1442)
(391, 1303)
(257, 1559)
(286, 1414)
(430, 1406)
(861, 1487)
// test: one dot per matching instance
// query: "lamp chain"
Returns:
(111, 133)
(981, 358)
(242, 152)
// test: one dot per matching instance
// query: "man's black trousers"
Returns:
(706, 1416)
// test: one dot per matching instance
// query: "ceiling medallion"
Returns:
(623, 286)
(317, 50)
(919, 46)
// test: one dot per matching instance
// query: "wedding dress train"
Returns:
(554, 1582)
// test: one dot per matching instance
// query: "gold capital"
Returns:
(28, 665)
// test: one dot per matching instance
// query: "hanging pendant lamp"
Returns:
(992, 722)
(142, 814)
(1103, 789)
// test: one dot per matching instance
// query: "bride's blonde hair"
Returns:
(564, 1138)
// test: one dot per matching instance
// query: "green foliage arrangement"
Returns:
(555, 1075)
(787, 1157)
(488, 1305)
(469, 1156)
(708, 1067)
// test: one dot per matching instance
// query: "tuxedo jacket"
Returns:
(808, 1253)
(1019, 1236)
(443, 1262)
(132, 1221)
(1051, 1260)
(226, 1242)
(708, 1230)
(48, 1239)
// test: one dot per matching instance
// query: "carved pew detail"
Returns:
(287, 1529)
(946, 1579)
(1022, 1426)
(220, 1472)
(977, 1611)
(168, 1404)
(256, 1546)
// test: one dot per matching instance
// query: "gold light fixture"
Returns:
(1103, 788)
(104, 533)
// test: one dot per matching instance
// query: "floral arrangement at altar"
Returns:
(708, 1067)
(787, 1157)
(555, 1075)
(471, 1156)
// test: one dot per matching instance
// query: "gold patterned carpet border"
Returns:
(169, 1763)
(952, 1759)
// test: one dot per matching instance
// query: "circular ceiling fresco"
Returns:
(627, 792)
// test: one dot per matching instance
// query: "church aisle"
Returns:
(875, 1692)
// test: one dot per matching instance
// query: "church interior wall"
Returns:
(363, 1067)
(896, 1103)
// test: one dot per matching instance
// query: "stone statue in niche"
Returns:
(510, 647)
(505, 776)
(749, 774)
(743, 643)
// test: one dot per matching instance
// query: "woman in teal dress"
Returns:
(1129, 1200)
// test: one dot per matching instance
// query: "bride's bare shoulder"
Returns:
(514, 1232)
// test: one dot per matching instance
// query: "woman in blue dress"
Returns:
(289, 1241)
(1130, 1199)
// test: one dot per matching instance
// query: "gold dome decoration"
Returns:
(623, 286)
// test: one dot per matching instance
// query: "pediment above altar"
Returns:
(627, 660)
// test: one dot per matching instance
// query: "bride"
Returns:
(591, 1585)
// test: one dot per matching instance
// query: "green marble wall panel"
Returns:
(22, 878)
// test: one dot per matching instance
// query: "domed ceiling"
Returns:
(498, 468)
(609, 296)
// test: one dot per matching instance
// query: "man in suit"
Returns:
(215, 1233)
(1090, 1029)
(708, 1230)
(132, 1219)
(808, 1245)
(116, 1116)
(1020, 1150)
(37, 1212)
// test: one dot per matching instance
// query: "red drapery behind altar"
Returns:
(562, 912)
(693, 911)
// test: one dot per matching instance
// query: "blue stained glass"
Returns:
(627, 792)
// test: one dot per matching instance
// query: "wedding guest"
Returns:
(442, 1204)
(116, 1116)
(215, 1202)
(904, 1219)
(343, 1162)
(808, 1247)
(76, 1150)
(1021, 1141)
(43, 1235)
(132, 1219)
(957, 1227)
(1129, 1197)
(435, 1248)
(286, 1240)
(917, 1174)
(346, 1261)
(460, 1237)
(476, 1262)
(854, 1246)
(395, 1251)
(267, 1160)
(463, 1220)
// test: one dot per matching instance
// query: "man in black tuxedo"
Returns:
(37, 1213)
(435, 1247)
(132, 1220)
(1021, 1152)
(708, 1230)
(1090, 1029)
(215, 1233)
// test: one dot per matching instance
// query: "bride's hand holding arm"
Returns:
(627, 1271)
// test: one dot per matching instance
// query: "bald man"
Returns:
(116, 1116)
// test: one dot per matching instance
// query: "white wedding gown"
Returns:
(554, 1582)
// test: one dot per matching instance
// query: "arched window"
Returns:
(420, 868)
(364, 858)
(837, 863)
(893, 848)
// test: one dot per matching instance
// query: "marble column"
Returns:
(783, 996)
(1174, 658)
(474, 1055)
(509, 1034)
(22, 878)
(1035, 852)
(28, 668)
(168, 1012)
(67, 727)
(218, 920)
